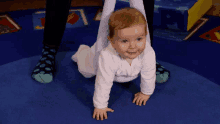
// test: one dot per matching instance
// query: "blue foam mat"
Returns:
(186, 98)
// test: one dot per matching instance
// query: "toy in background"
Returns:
(212, 35)
(8, 25)
(5, 29)
(76, 18)
(72, 18)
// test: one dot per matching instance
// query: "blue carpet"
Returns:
(186, 98)
(192, 94)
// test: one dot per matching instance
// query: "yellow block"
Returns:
(215, 11)
(197, 11)
(217, 35)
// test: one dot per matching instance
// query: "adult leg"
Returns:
(149, 10)
(57, 12)
(56, 17)
(162, 73)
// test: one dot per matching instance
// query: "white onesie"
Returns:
(111, 67)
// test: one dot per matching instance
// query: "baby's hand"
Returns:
(101, 112)
(140, 97)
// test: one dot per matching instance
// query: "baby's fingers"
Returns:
(140, 102)
(145, 102)
(101, 114)
(97, 116)
(105, 114)
(135, 99)
(109, 109)
(94, 113)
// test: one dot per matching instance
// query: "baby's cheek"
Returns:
(141, 47)
(141, 44)
(123, 48)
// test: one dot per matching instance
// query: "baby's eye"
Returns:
(124, 41)
(139, 39)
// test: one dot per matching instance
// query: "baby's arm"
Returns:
(148, 72)
(103, 85)
(104, 80)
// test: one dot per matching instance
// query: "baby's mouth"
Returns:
(131, 53)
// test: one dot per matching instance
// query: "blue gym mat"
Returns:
(187, 98)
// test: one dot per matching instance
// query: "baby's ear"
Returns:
(111, 41)
(109, 38)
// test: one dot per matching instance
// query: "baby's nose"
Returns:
(132, 44)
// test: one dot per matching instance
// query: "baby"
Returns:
(127, 55)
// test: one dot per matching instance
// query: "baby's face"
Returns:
(129, 42)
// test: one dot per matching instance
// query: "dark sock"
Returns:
(45, 69)
(162, 74)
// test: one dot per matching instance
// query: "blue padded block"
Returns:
(171, 14)
(175, 4)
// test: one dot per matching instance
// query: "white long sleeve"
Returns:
(148, 72)
(104, 80)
